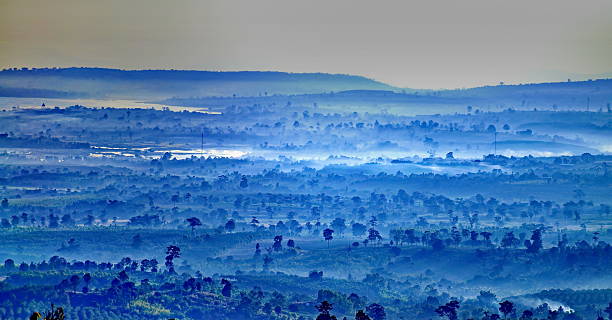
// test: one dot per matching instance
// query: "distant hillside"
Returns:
(593, 94)
(221, 89)
(158, 84)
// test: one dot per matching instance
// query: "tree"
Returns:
(373, 235)
(89, 220)
(315, 275)
(278, 243)
(153, 263)
(324, 308)
(290, 243)
(74, 282)
(267, 260)
(53, 314)
(510, 240)
(67, 220)
(123, 276)
(527, 315)
(193, 223)
(376, 311)
(373, 221)
(244, 182)
(328, 235)
(53, 221)
(360, 315)
(339, 225)
(535, 244)
(6, 223)
(608, 310)
(487, 236)
(506, 307)
(486, 298)
(87, 280)
(9, 264)
(172, 252)
(448, 310)
(227, 288)
(230, 225)
(15, 220)
(267, 308)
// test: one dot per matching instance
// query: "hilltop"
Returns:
(140, 84)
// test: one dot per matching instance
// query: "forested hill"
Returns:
(140, 84)
(593, 94)
(580, 95)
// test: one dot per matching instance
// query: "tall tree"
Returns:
(328, 235)
(506, 307)
(172, 252)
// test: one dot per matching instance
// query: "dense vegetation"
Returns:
(297, 207)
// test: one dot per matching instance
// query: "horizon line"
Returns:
(604, 76)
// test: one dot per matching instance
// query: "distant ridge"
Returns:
(139, 84)
(579, 95)
(85, 72)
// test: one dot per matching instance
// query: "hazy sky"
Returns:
(419, 44)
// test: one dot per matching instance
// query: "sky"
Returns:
(406, 43)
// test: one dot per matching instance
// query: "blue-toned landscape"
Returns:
(135, 185)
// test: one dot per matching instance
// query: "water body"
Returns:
(29, 103)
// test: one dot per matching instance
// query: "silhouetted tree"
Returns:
(193, 223)
(172, 252)
(328, 235)
(360, 315)
(324, 308)
(608, 310)
(227, 288)
(230, 225)
(9, 264)
(53, 314)
(535, 244)
(244, 182)
(506, 307)
(448, 310)
(527, 315)
(278, 243)
(374, 235)
(87, 279)
(290, 243)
